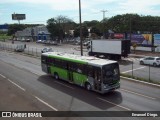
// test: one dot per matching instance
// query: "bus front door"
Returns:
(97, 79)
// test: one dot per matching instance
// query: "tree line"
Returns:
(127, 23)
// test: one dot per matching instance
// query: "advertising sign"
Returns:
(119, 36)
(141, 39)
(157, 39)
(18, 16)
(147, 39)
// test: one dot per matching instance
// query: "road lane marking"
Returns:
(64, 85)
(114, 104)
(16, 85)
(46, 103)
(133, 70)
(2, 76)
(138, 94)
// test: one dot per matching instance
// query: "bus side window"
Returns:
(79, 68)
(72, 66)
(49, 60)
(64, 64)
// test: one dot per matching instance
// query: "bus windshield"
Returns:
(110, 73)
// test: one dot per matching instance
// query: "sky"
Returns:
(39, 11)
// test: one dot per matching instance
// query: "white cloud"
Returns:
(146, 7)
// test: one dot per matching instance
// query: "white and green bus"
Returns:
(90, 72)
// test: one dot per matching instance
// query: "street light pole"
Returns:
(80, 27)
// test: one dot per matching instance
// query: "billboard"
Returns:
(118, 36)
(157, 39)
(141, 39)
(18, 16)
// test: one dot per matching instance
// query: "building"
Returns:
(4, 27)
(34, 33)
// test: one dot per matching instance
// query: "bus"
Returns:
(89, 72)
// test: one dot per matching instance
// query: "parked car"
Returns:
(38, 41)
(44, 50)
(28, 40)
(155, 61)
(53, 43)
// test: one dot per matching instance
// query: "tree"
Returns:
(84, 31)
(95, 30)
(52, 28)
(13, 28)
(59, 26)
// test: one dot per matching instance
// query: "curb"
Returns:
(140, 81)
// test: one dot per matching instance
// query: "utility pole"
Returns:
(80, 27)
(103, 11)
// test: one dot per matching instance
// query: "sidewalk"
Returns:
(141, 54)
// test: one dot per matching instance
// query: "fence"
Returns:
(147, 73)
(28, 50)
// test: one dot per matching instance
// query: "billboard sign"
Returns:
(157, 39)
(119, 36)
(141, 39)
(18, 16)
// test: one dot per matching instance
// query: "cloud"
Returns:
(146, 7)
(54, 4)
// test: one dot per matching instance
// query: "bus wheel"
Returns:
(88, 86)
(56, 76)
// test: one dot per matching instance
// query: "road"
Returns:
(26, 73)
(141, 71)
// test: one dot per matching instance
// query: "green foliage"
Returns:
(84, 31)
(123, 23)
(4, 37)
(59, 26)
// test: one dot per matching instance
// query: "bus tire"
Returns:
(56, 76)
(88, 86)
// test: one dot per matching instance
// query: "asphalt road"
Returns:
(141, 71)
(61, 96)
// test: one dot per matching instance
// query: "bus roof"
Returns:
(90, 60)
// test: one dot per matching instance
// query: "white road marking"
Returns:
(114, 104)
(133, 70)
(138, 94)
(46, 103)
(64, 85)
(2, 76)
(16, 85)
